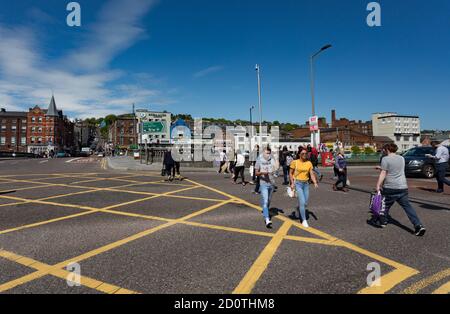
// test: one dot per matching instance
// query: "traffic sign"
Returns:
(153, 127)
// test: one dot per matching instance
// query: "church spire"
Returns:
(52, 110)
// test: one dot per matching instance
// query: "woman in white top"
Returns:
(239, 168)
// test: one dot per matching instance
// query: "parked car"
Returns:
(62, 155)
(416, 163)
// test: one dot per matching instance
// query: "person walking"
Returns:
(168, 163)
(284, 164)
(313, 156)
(341, 165)
(239, 168)
(393, 186)
(255, 157)
(265, 168)
(441, 157)
(301, 174)
(223, 160)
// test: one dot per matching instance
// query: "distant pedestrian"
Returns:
(283, 163)
(441, 156)
(239, 168)
(265, 168)
(341, 165)
(313, 156)
(168, 164)
(256, 180)
(394, 187)
(301, 174)
(223, 162)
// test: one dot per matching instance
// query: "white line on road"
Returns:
(41, 162)
(69, 161)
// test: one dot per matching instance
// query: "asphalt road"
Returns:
(131, 232)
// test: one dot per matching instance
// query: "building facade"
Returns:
(49, 130)
(404, 130)
(13, 131)
(122, 133)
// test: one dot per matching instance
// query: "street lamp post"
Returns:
(251, 124)
(260, 106)
(312, 88)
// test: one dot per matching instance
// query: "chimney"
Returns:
(333, 117)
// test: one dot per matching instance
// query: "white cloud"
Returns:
(89, 87)
(208, 71)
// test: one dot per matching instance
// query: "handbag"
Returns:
(377, 205)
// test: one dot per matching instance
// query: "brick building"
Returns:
(13, 131)
(359, 126)
(49, 130)
(347, 136)
(123, 132)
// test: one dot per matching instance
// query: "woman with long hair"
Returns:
(301, 174)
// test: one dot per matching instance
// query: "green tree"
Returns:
(368, 150)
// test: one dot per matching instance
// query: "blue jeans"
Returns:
(303, 197)
(402, 198)
(317, 172)
(440, 175)
(266, 196)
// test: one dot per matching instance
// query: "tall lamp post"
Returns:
(251, 124)
(312, 89)
(259, 103)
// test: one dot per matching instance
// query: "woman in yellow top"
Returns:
(301, 173)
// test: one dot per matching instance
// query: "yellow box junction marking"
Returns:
(260, 265)
(60, 273)
(422, 284)
(388, 281)
(401, 273)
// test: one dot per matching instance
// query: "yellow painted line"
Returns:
(46, 222)
(389, 281)
(422, 284)
(106, 248)
(60, 273)
(90, 210)
(444, 289)
(401, 273)
(260, 265)
(310, 240)
(27, 188)
(12, 204)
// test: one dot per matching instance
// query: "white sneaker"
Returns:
(268, 223)
(305, 224)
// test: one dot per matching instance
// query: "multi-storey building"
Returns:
(122, 133)
(404, 130)
(13, 131)
(359, 126)
(48, 130)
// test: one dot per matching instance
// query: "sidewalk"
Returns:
(129, 164)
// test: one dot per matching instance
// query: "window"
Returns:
(24, 129)
(39, 140)
(33, 119)
(23, 140)
(2, 140)
(3, 127)
(32, 140)
(40, 119)
(13, 140)
(40, 130)
(24, 121)
(13, 127)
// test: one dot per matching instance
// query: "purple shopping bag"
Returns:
(377, 204)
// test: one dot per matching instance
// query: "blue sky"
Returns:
(199, 57)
